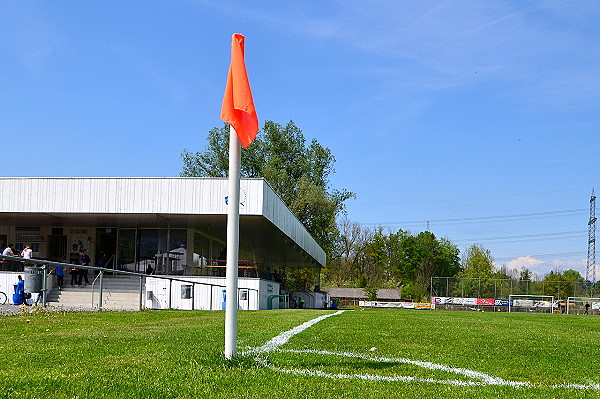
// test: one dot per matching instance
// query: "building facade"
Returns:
(161, 226)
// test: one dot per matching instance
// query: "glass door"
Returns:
(106, 247)
(127, 255)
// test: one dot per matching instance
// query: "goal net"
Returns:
(583, 305)
(531, 303)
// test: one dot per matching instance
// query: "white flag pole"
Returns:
(233, 240)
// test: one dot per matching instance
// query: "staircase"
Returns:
(119, 293)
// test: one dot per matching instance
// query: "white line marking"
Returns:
(482, 379)
(372, 377)
(284, 337)
(485, 378)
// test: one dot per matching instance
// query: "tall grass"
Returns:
(178, 354)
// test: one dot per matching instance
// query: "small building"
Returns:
(160, 226)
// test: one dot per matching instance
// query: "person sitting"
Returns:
(9, 251)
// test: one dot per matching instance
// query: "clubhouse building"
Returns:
(158, 226)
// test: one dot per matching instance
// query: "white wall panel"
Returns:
(151, 195)
(125, 195)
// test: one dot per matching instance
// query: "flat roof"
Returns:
(178, 202)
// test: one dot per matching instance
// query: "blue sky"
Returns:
(479, 117)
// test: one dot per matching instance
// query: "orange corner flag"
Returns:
(238, 107)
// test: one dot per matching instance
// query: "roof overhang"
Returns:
(266, 224)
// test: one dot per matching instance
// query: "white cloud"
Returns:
(524, 262)
(541, 268)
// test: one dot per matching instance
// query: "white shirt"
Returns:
(8, 252)
(26, 254)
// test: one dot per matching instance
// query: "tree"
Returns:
(392, 259)
(431, 257)
(298, 173)
(345, 265)
(477, 262)
(562, 285)
(477, 271)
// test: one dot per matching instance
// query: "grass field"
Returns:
(374, 353)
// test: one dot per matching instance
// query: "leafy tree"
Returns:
(435, 258)
(525, 274)
(394, 260)
(562, 285)
(298, 173)
(524, 281)
(374, 270)
(477, 262)
(478, 265)
(595, 289)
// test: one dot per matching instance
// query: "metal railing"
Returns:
(46, 264)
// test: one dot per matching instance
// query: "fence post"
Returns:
(44, 286)
(193, 296)
(101, 289)
(141, 291)
(170, 292)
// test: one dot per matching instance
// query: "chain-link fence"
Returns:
(502, 288)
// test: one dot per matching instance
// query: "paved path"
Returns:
(13, 310)
(9, 310)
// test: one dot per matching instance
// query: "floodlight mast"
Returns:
(590, 274)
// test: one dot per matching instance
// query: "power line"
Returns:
(542, 256)
(519, 216)
(465, 199)
(531, 237)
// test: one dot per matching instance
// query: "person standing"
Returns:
(74, 272)
(101, 259)
(60, 275)
(84, 260)
(20, 290)
(27, 253)
(38, 298)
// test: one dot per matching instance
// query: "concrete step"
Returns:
(118, 293)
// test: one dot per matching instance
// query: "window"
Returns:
(27, 235)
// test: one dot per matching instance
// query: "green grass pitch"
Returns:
(373, 353)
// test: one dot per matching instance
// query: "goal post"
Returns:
(530, 303)
(583, 305)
